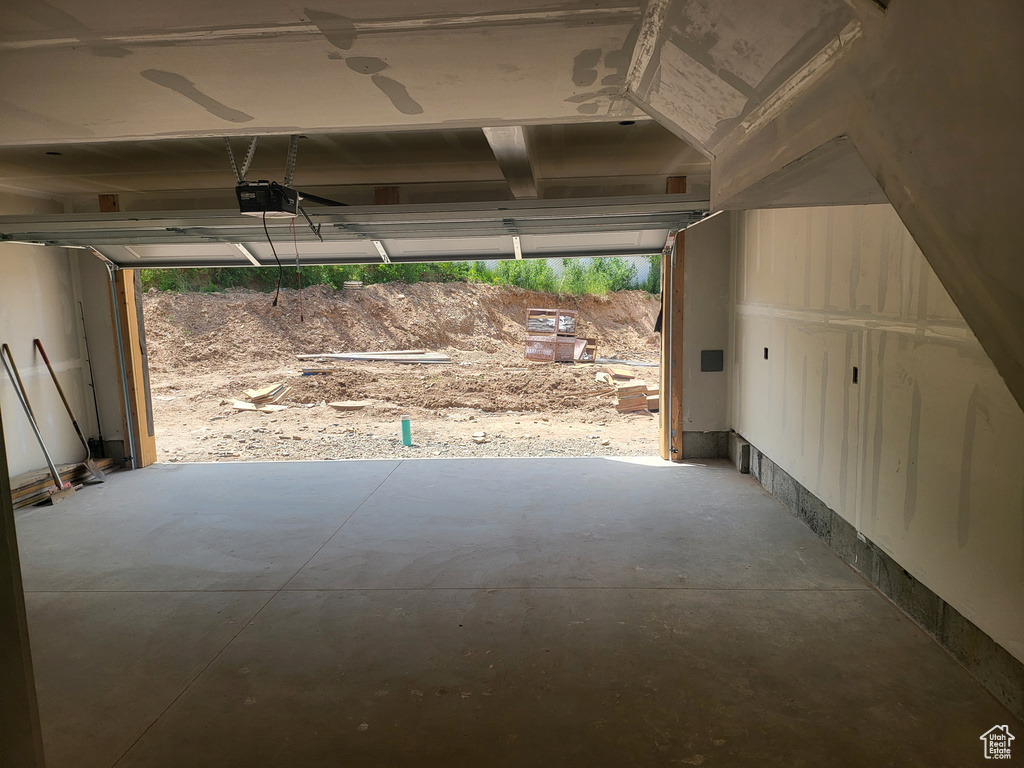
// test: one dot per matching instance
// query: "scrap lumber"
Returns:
(349, 405)
(33, 487)
(631, 396)
(239, 405)
(348, 355)
(270, 394)
(400, 356)
(631, 404)
(598, 393)
(618, 372)
(631, 388)
(317, 371)
(634, 363)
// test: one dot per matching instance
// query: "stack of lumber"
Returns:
(408, 356)
(353, 285)
(654, 399)
(34, 487)
(264, 398)
(551, 337)
(631, 396)
(618, 373)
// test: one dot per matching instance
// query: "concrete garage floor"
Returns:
(497, 612)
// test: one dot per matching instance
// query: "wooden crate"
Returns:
(540, 321)
(585, 351)
(551, 348)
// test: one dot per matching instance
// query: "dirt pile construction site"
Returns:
(207, 349)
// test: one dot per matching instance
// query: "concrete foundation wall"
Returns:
(39, 296)
(924, 454)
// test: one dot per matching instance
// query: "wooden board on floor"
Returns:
(33, 487)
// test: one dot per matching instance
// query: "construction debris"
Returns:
(634, 363)
(635, 395)
(551, 337)
(264, 399)
(653, 401)
(349, 405)
(239, 405)
(34, 487)
(619, 373)
(398, 356)
(268, 395)
(631, 396)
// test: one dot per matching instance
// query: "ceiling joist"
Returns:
(512, 151)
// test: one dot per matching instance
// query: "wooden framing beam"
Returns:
(673, 263)
(128, 303)
(21, 740)
(385, 195)
(671, 412)
(110, 204)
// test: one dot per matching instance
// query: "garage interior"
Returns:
(826, 559)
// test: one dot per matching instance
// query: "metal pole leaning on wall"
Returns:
(129, 426)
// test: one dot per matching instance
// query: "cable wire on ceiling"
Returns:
(298, 269)
(280, 267)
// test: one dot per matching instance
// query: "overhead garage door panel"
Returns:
(353, 235)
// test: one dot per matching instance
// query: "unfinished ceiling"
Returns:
(791, 102)
(135, 100)
(84, 70)
(449, 165)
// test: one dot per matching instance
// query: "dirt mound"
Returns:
(206, 332)
(205, 349)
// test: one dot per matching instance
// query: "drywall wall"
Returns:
(929, 97)
(706, 323)
(99, 328)
(803, 103)
(924, 455)
(39, 299)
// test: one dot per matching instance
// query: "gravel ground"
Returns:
(259, 437)
(206, 349)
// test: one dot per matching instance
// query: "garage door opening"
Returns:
(208, 348)
(201, 344)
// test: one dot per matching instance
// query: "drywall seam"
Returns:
(842, 319)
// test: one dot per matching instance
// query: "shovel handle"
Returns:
(60, 391)
(19, 389)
